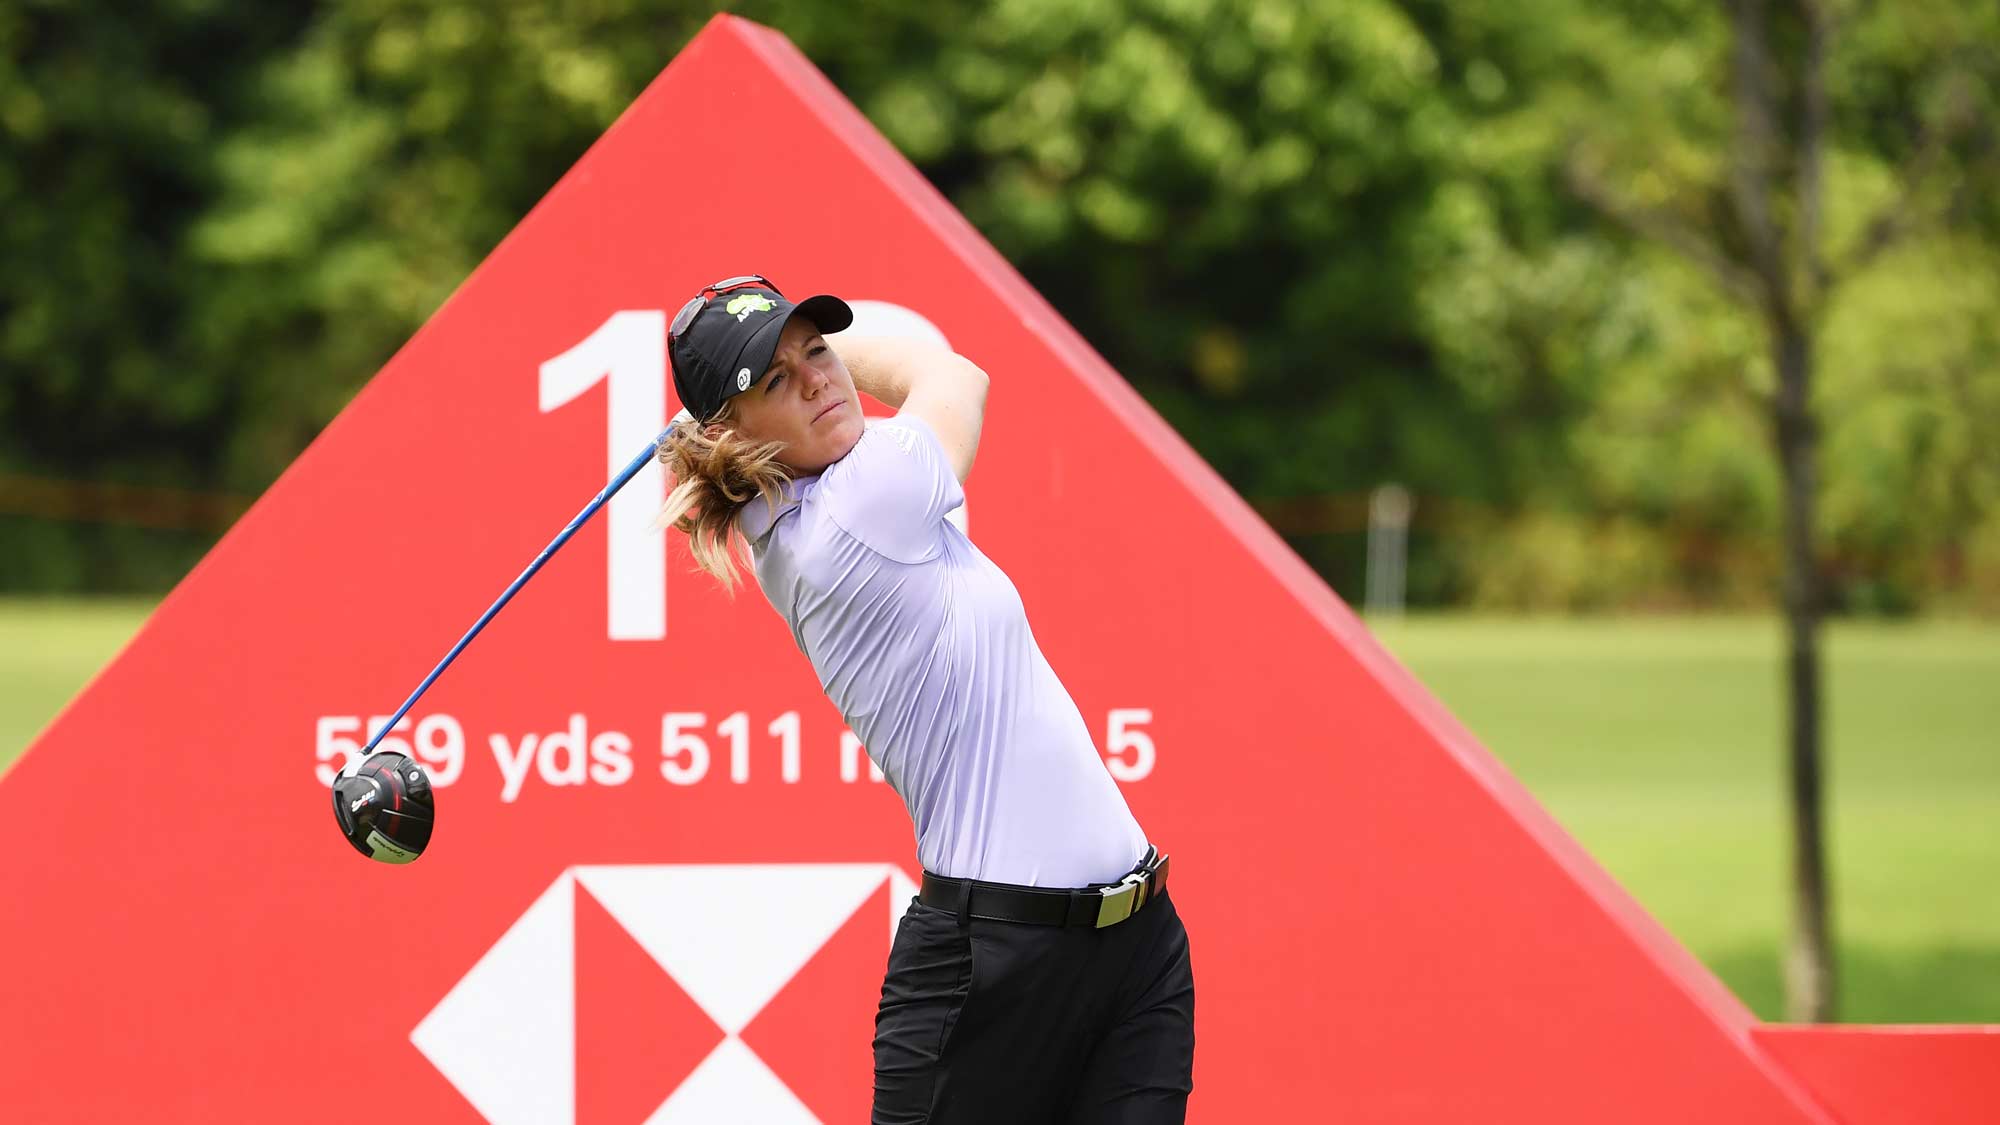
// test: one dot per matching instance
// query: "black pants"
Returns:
(1006, 1022)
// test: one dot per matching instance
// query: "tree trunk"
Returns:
(1809, 967)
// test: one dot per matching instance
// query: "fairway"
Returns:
(1656, 742)
(1659, 744)
(50, 648)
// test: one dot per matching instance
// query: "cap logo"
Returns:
(742, 305)
(743, 379)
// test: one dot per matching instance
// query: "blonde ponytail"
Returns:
(714, 477)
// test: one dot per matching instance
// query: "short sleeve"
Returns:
(893, 489)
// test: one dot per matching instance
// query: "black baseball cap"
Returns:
(728, 345)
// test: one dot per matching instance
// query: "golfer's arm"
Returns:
(936, 384)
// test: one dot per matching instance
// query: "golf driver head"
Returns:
(385, 808)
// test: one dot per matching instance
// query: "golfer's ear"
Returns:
(714, 431)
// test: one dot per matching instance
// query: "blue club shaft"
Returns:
(624, 476)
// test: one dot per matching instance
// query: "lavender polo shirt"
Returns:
(924, 646)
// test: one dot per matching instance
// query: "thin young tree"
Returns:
(1758, 233)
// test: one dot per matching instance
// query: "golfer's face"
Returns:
(806, 399)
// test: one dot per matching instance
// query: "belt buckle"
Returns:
(1122, 899)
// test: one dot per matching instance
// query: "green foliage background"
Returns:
(1335, 244)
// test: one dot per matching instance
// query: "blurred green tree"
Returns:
(1241, 214)
(1335, 244)
(108, 118)
(1783, 192)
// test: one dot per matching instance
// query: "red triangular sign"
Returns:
(1385, 926)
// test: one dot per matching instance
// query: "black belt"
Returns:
(1099, 905)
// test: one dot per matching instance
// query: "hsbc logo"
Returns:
(676, 993)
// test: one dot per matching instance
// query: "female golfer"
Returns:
(1041, 975)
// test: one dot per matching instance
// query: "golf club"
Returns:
(352, 802)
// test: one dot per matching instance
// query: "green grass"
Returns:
(50, 648)
(1656, 742)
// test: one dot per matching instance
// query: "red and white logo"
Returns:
(676, 993)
